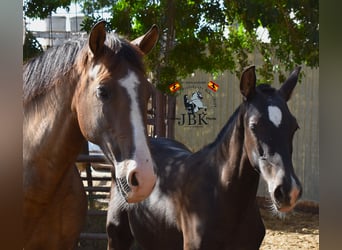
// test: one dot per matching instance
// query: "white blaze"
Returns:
(275, 115)
(130, 83)
(142, 154)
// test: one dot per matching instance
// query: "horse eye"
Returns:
(252, 123)
(252, 126)
(102, 92)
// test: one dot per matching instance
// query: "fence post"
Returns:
(160, 114)
(171, 113)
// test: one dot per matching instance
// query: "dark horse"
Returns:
(207, 200)
(95, 90)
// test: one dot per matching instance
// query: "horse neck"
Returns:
(231, 161)
(51, 130)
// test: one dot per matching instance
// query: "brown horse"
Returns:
(207, 200)
(96, 90)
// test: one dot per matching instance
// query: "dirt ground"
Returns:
(299, 230)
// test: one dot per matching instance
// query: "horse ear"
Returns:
(148, 41)
(248, 82)
(289, 84)
(97, 37)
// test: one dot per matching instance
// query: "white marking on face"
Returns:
(122, 168)
(275, 115)
(272, 181)
(142, 155)
(130, 83)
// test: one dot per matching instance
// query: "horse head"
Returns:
(111, 106)
(269, 130)
(197, 95)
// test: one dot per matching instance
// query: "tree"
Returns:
(43, 8)
(31, 46)
(194, 32)
(193, 36)
(210, 35)
(293, 28)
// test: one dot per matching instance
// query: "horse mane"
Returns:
(226, 132)
(224, 135)
(42, 72)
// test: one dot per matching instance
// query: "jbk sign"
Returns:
(196, 105)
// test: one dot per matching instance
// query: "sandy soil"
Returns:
(299, 230)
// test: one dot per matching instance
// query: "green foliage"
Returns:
(43, 8)
(89, 21)
(210, 35)
(293, 29)
(31, 47)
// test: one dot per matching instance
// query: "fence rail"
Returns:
(96, 177)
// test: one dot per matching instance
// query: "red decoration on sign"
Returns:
(174, 87)
(213, 86)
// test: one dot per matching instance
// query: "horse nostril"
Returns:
(279, 193)
(134, 180)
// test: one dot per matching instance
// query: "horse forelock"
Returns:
(122, 49)
(266, 89)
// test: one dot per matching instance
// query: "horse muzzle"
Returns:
(135, 181)
(286, 195)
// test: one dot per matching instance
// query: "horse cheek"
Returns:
(87, 122)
